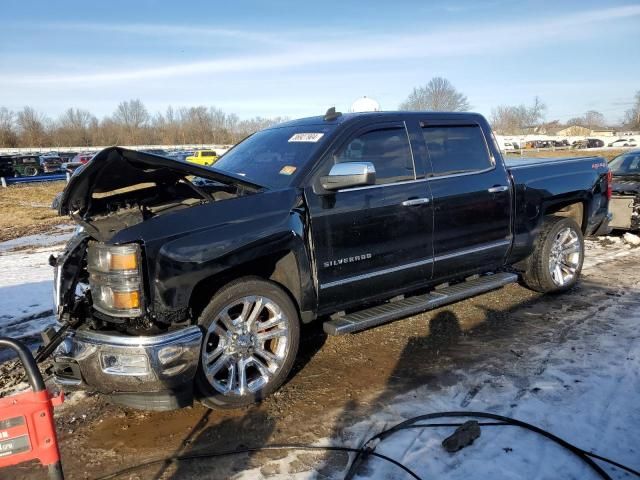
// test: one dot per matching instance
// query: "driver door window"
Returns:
(389, 151)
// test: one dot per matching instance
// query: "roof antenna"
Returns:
(331, 114)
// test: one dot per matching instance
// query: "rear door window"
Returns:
(456, 149)
(387, 148)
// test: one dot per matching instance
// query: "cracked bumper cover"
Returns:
(124, 364)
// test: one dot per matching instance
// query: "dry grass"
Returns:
(608, 153)
(26, 209)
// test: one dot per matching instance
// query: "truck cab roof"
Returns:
(344, 118)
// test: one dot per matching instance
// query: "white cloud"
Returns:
(177, 32)
(461, 41)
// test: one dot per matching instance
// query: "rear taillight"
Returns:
(609, 184)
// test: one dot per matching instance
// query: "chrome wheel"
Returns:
(245, 346)
(564, 258)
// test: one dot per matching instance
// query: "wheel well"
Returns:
(573, 210)
(280, 268)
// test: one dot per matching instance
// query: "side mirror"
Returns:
(349, 174)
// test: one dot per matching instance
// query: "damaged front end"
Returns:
(111, 340)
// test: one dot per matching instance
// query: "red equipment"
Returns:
(27, 428)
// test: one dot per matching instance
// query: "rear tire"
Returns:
(250, 341)
(556, 261)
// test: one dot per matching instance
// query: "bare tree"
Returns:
(594, 119)
(252, 125)
(31, 127)
(517, 119)
(575, 122)
(108, 132)
(535, 113)
(632, 116)
(132, 116)
(8, 136)
(438, 95)
(130, 124)
(74, 127)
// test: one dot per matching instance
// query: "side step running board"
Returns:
(387, 312)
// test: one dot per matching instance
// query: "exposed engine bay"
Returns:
(126, 207)
(99, 285)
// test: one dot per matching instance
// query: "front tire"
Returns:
(250, 341)
(556, 261)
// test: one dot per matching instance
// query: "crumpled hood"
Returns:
(115, 167)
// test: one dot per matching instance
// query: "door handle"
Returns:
(498, 189)
(415, 201)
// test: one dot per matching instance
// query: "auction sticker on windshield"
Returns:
(306, 137)
(288, 170)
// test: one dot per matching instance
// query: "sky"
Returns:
(297, 58)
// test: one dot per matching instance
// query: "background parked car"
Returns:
(50, 164)
(6, 166)
(624, 142)
(203, 157)
(156, 151)
(588, 143)
(179, 155)
(78, 160)
(66, 156)
(26, 165)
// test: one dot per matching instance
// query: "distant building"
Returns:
(575, 131)
(603, 132)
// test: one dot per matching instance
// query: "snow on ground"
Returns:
(582, 383)
(26, 284)
(608, 248)
(587, 393)
(61, 234)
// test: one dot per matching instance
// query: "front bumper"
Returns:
(130, 367)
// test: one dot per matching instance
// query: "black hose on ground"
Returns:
(583, 455)
(368, 450)
(284, 446)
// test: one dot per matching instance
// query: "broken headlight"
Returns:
(115, 279)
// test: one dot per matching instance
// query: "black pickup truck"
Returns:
(185, 281)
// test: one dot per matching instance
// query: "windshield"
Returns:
(626, 164)
(275, 156)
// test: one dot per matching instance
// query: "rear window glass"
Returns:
(456, 149)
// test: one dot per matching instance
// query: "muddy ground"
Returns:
(336, 382)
